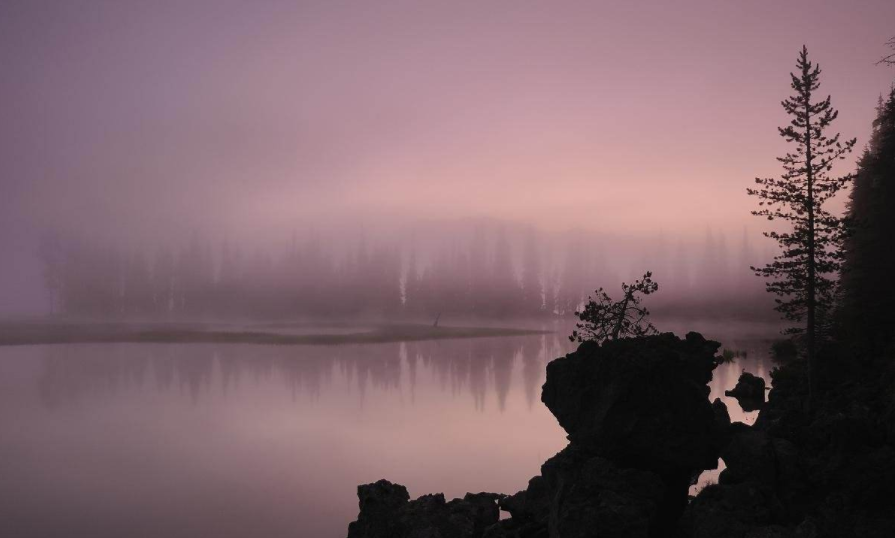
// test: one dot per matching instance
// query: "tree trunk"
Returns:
(812, 265)
(621, 316)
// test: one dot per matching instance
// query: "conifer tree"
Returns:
(604, 319)
(869, 249)
(889, 59)
(802, 275)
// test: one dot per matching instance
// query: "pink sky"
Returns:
(235, 117)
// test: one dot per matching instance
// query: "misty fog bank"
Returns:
(477, 270)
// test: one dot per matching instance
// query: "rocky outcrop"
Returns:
(822, 473)
(643, 404)
(640, 429)
(387, 512)
(749, 392)
(578, 494)
(640, 402)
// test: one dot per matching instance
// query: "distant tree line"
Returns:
(489, 274)
(197, 282)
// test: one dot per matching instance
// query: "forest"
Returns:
(485, 273)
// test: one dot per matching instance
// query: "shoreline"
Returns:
(21, 334)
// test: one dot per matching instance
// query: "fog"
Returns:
(588, 141)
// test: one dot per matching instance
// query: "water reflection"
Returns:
(237, 440)
(472, 367)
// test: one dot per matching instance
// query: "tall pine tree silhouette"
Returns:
(802, 275)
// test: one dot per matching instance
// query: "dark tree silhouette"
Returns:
(802, 274)
(869, 262)
(605, 319)
(890, 58)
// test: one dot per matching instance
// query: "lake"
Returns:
(177, 440)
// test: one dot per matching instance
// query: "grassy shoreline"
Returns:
(19, 334)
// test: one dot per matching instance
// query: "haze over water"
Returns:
(184, 172)
(208, 440)
(141, 124)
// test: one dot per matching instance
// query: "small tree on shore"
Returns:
(605, 319)
(802, 274)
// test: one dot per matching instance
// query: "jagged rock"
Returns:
(511, 528)
(387, 512)
(578, 495)
(532, 504)
(727, 511)
(753, 456)
(640, 402)
(722, 420)
(749, 392)
(593, 494)
(379, 504)
(640, 428)
(756, 493)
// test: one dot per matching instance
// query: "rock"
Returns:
(379, 504)
(749, 392)
(722, 420)
(580, 495)
(640, 402)
(592, 493)
(510, 528)
(640, 428)
(754, 456)
(479, 508)
(532, 504)
(757, 493)
(387, 512)
(727, 511)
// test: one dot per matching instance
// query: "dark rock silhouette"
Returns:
(641, 429)
(386, 511)
(642, 402)
(749, 392)
(578, 493)
(829, 473)
(722, 420)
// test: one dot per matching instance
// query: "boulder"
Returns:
(749, 392)
(379, 505)
(642, 402)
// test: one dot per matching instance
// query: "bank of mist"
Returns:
(485, 271)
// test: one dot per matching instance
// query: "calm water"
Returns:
(211, 440)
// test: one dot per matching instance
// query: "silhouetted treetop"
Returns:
(605, 319)
(890, 58)
(803, 274)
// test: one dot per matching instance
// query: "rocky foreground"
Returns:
(641, 430)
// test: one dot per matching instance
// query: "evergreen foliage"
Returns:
(803, 274)
(605, 319)
(869, 262)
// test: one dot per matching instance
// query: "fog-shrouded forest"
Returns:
(483, 270)
(457, 269)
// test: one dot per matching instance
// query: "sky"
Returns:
(137, 120)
